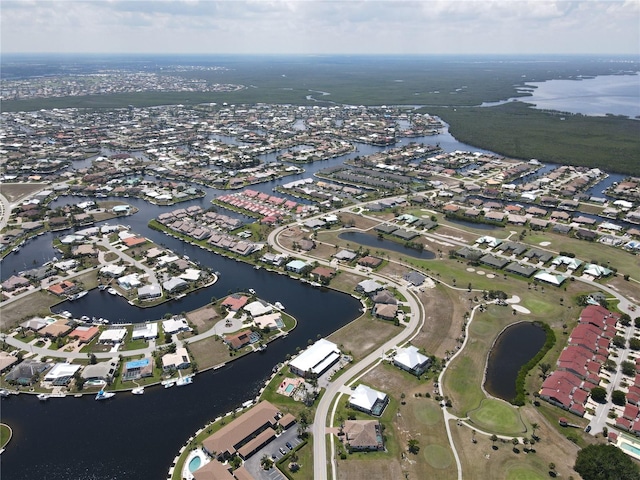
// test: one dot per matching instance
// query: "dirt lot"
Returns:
(350, 339)
(17, 191)
(204, 318)
(444, 310)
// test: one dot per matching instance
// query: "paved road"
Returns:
(320, 421)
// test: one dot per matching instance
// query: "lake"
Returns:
(602, 95)
(515, 346)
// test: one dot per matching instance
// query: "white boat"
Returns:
(76, 296)
(169, 383)
(138, 391)
(279, 306)
(102, 395)
(252, 291)
(262, 347)
(43, 397)
(216, 273)
(112, 291)
(4, 393)
(182, 381)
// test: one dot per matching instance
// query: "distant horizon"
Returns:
(308, 27)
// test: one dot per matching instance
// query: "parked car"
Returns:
(282, 451)
(588, 429)
(289, 446)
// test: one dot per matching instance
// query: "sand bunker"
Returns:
(521, 309)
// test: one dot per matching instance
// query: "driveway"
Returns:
(253, 463)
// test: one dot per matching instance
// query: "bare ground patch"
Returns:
(203, 318)
(351, 339)
(444, 316)
(374, 469)
(16, 191)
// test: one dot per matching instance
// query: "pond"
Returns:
(376, 242)
(515, 346)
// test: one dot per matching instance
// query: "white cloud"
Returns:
(310, 26)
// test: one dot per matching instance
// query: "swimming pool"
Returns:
(194, 464)
(630, 448)
(289, 388)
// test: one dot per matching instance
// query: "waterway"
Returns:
(514, 347)
(136, 437)
(597, 96)
(375, 242)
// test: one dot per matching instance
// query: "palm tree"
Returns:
(534, 427)
(413, 446)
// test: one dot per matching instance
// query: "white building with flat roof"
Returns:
(316, 359)
(147, 331)
(113, 335)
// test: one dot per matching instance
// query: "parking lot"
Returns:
(273, 451)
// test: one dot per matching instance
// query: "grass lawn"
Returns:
(209, 352)
(524, 473)
(305, 461)
(5, 434)
(437, 456)
(497, 416)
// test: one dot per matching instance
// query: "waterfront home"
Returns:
(269, 321)
(368, 287)
(322, 274)
(104, 371)
(257, 308)
(84, 334)
(56, 329)
(136, 369)
(174, 284)
(26, 372)
(149, 291)
(369, 261)
(239, 339)
(235, 302)
(175, 325)
(246, 434)
(368, 400)
(113, 335)
(145, 331)
(411, 360)
(297, 266)
(316, 359)
(61, 373)
(66, 287)
(176, 361)
(362, 435)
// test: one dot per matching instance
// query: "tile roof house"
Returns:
(363, 435)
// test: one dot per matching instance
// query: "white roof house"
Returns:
(315, 359)
(367, 399)
(150, 291)
(489, 240)
(190, 275)
(545, 276)
(410, 359)
(570, 263)
(129, 281)
(61, 370)
(174, 284)
(369, 286)
(175, 325)
(113, 270)
(146, 331)
(113, 335)
(258, 308)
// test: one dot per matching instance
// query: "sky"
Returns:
(321, 27)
